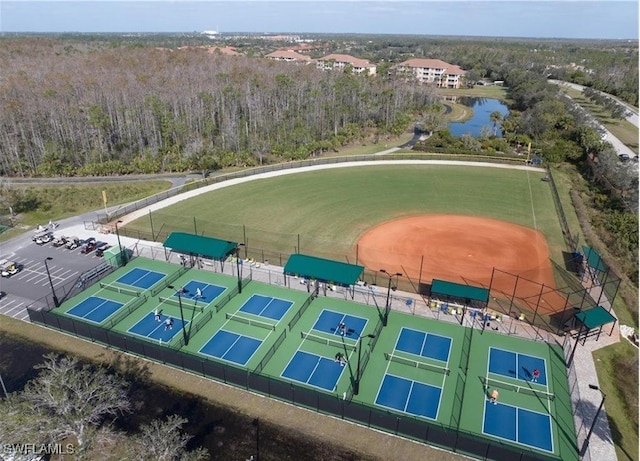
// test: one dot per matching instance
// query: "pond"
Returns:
(482, 109)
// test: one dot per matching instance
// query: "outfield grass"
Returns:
(325, 212)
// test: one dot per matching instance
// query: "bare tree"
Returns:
(163, 440)
(75, 398)
(21, 423)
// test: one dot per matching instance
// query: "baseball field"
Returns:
(423, 220)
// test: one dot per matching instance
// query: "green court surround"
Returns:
(463, 395)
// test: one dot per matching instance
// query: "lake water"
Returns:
(482, 109)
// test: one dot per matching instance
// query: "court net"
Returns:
(185, 303)
(252, 322)
(327, 341)
(124, 291)
(494, 383)
(416, 363)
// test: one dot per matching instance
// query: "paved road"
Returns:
(632, 117)
(176, 180)
(618, 145)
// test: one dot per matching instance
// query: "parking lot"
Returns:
(32, 282)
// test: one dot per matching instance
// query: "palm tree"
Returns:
(495, 117)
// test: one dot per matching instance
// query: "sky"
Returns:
(497, 18)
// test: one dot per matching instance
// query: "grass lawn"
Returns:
(368, 149)
(326, 211)
(493, 92)
(53, 201)
(617, 367)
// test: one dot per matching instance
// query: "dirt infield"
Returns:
(466, 249)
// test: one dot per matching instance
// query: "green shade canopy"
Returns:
(457, 290)
(323, 270)
(594, 259)
(193, 244)
(595, 317)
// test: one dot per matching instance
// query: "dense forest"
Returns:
(103, 105)
(145, 110)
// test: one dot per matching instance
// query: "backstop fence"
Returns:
(570, 240)
(549, 307)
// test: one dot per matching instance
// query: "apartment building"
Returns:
(435, 71)
(289, 56)
(340, 61)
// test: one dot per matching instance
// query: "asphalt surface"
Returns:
(32, 282)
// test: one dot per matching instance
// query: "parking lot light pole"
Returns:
(356, 383)
(123, 255)
(53, 291)
(387, 305)
(184, 331)
(585, 445)
(238, 267)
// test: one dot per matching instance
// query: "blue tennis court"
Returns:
(266, 306)
(424, 344)
(329, 321)
(314, 370)
(516, 365)
(208, 291)
(409, 396)
(518, 425)
(231, 347)
(141, 278)
(151, 328)
(95, 309)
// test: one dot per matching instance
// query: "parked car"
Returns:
(72, 243)
(102, 248)
(44, 238)
(39, 232)
(59, 241)
(8, 268)
(88, 246)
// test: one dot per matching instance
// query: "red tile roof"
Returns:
(355, 62)
(288, 55)
(433, 64)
